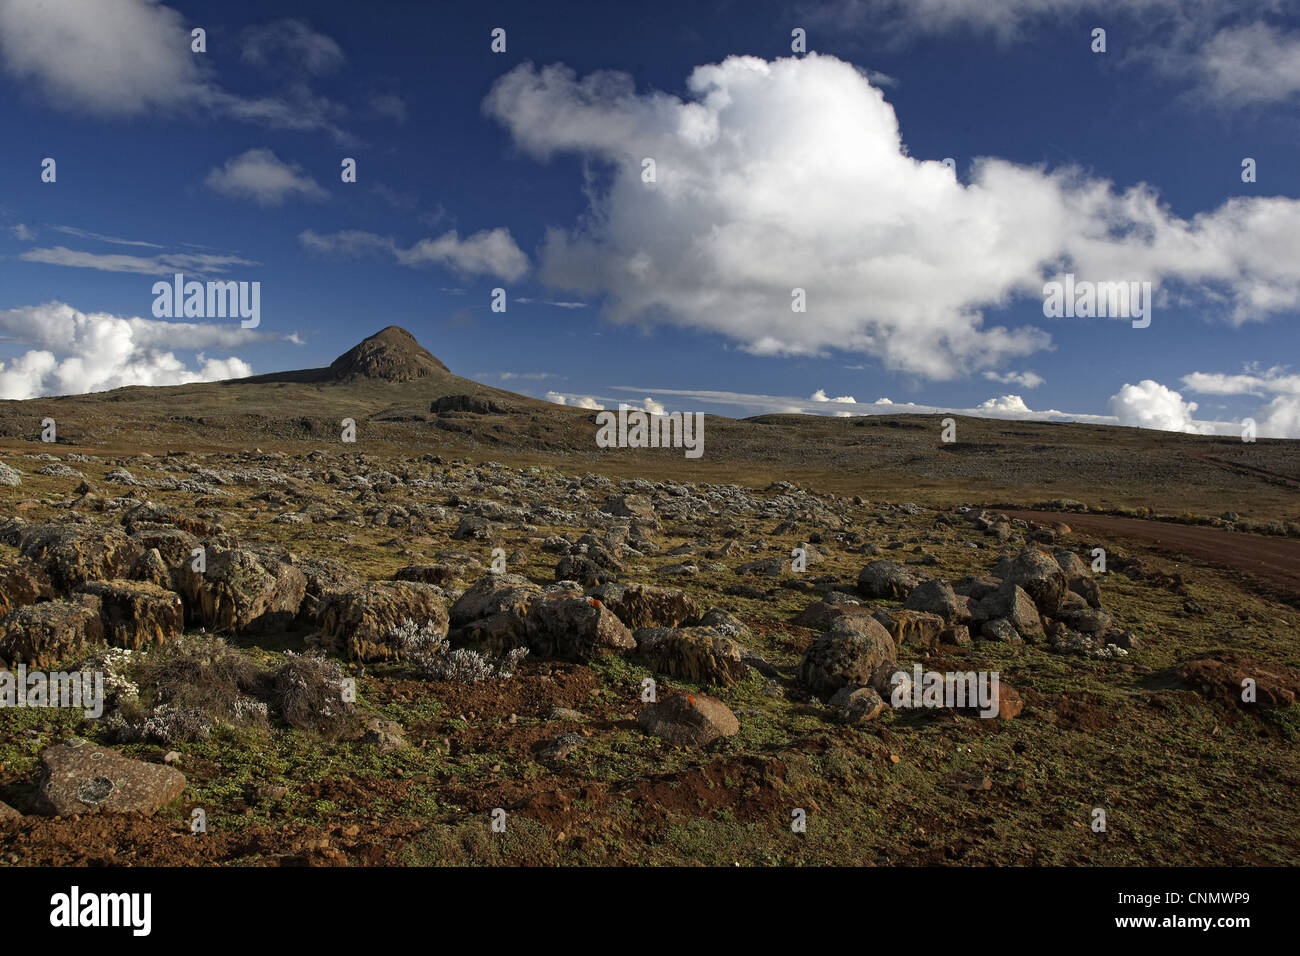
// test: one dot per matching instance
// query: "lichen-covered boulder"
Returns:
(917, 629)
(858, 704)
(323, 576)
(491, 615)
(73, 554)
(1041, 577)
(494, 594)
(701, 655)
(360, 620)
(575, 628)
(938, 597)
(175, 546)
(642, 605)
(888, 580)
(242, 591)
(1012, 603)
(439, 574)
(22, 581)
(819, 613)
(632, 506)
(848, 654)
(151, 567)
(149, 515)
(136, 613)
(585, 570)
(1079, 577)
(44, 634)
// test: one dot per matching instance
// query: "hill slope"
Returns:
(402, 397)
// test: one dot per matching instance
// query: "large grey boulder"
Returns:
(938, 597)
(1012, 603)
(888, 580)
(1041, 577)
(848, 654)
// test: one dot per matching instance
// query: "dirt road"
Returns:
(1275, 561)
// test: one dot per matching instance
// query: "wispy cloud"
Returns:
(758, 404)
(291, 45)
(519, 376)
(559, 304)
(83, 234)
(197, 263)
(488, 252)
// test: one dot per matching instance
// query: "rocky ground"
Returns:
(351, 658)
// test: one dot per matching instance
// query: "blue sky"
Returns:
(775, 170)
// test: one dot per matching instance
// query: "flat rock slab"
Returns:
(81, 777)
(8, 813)
(961, 780)
(691, 720)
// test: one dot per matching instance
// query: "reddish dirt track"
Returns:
(1275, 561)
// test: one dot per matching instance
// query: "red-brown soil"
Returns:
(1275, 561)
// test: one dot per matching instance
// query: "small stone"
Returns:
(562, 746)
(961, 780)
(857, 704)
(565, 713)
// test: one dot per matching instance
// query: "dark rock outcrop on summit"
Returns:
(391, 355)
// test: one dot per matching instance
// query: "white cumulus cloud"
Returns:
(75, 352)
(1149, 404)
(1005, 403)
(580, 401)
(263, 177)
(1277, 418)
(1023, 379)
(820, 396)
(1280, 418)
(792, 174)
